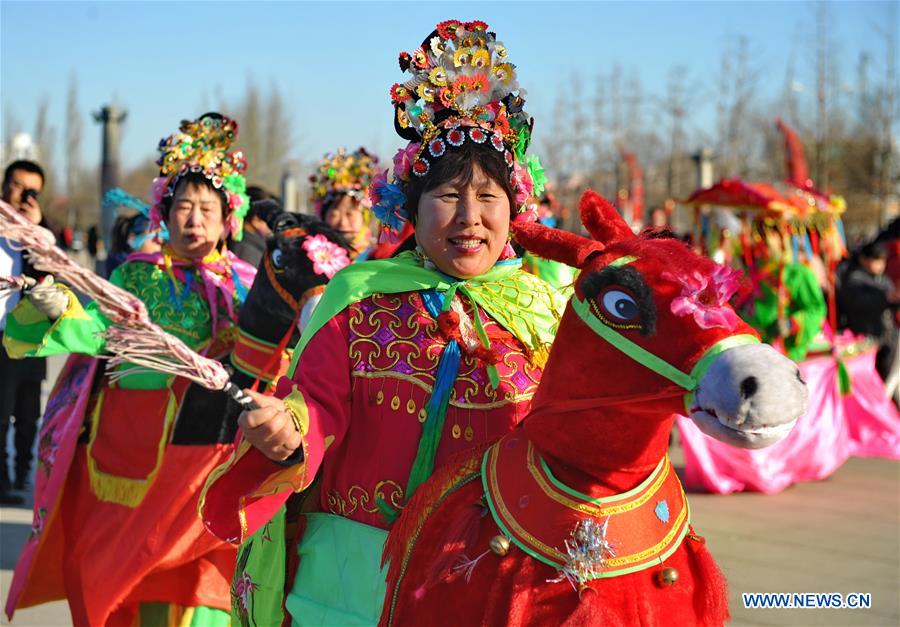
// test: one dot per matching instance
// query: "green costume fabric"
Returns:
(258, 595)
(558, 275)
(333, 585)
(29, 333)
(161, 615)
(804, 309)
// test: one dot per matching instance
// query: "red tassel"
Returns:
(711, 600)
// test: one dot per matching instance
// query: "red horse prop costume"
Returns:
(577, 517)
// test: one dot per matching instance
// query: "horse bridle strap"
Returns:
(279, 289)
(686, 381)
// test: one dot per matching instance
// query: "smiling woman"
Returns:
(406, 361)
(462, 211)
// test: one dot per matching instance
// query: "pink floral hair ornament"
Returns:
(327, 257)
(201, 146)
(706, 297)
(463, 88)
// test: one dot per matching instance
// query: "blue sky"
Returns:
(334, 62)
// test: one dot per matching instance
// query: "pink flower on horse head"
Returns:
(706, 297)
(243, 587)
(327, 257)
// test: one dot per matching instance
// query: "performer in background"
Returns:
(118, 536)
(339, 192)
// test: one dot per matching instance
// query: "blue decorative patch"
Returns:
(662, 511)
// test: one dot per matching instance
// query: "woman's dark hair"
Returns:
(458, 163)
(119, 235)
(198, 180)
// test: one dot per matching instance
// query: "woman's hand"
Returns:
(271, 428)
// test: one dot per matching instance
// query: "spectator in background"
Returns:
(20, 380)
(130, 234)
(658, 217)
(256, 230)
(867, 301)
(93, 240)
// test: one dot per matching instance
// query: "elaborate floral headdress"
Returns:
(201, 146)
(463, 88)
(342, 173)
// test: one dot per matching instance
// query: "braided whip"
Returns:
(132, 338)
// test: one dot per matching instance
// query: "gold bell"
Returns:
(500, 545)
(667, 576)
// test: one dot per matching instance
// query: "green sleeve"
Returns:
(29, 333)
(763, 314)
(80, 329)
(807, 309)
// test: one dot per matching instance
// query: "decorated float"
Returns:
(788, 240)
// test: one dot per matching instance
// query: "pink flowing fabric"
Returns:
(58, 438)
(864, 423)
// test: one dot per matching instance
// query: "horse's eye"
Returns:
(276, 258)
(620, 305)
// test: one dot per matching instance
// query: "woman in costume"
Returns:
(339, 195)
(789, 308)
(120, 539)
(406, 361)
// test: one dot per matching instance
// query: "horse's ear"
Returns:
(555, 244)
(602, 220)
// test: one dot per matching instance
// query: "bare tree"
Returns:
(74, 127)
(45, 140)
(278, 141)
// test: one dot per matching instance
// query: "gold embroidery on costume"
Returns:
(393, 336)
(358, 497)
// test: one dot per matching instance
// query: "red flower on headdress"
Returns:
(477, 26)
(437, 148)
(462, 85)
(399, 93)
(404, 60)
(238, 160)
(456, 137)
(501, 122)
(420, 59)
(480, 83)
(448, 28)
(446, 96)
(421, 167)
(478, 136)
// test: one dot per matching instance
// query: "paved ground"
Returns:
(839, 535)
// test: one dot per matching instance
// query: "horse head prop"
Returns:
(648, 334)
(301, 256)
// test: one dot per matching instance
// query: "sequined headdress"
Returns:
(343, 173)
(201, 146)
(463, 88)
